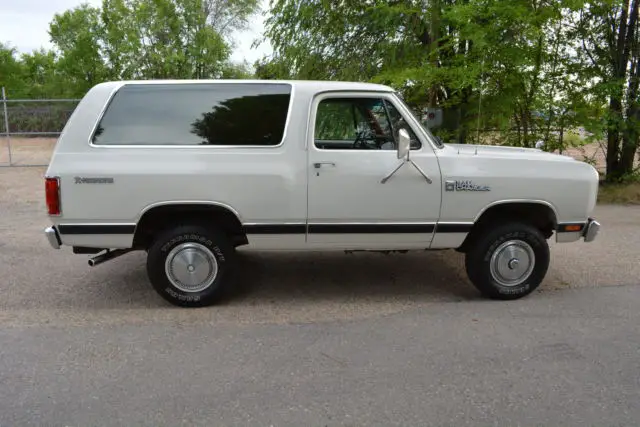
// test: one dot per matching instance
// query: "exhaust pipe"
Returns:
(106, 256)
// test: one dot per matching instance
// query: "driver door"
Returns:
(352, 148)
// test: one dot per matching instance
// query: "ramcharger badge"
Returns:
(81, 180)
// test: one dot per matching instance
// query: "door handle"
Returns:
(318, 165)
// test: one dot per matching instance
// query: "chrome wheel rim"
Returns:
(191, 267)
(512, 263)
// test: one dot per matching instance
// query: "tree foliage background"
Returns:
(504, 71)
(511, 72)
(129, 39)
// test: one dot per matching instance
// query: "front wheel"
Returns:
(509, 261)
(191, 265)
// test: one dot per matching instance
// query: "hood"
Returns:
(505, 151)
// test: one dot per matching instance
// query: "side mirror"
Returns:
(404, 144)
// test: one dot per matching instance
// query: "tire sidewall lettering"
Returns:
(516, 290)
(194, 238)
(182, 296)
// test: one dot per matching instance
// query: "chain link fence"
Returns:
(30, 127)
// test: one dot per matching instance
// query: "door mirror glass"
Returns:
(404, 143)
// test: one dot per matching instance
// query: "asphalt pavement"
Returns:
(564, 358)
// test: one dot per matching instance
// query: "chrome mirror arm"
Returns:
(421, 172)
(386, 178)
(407, 160)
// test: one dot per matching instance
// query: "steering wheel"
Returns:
(361, 137)
(360, 140)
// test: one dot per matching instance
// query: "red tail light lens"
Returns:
(52, 193)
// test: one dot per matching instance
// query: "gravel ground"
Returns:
(42, 285)
(26, 151)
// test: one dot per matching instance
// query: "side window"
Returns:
(398, 122)
(358, 123)
(196, 114)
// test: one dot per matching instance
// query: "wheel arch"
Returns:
(159, 216)
(538, 213)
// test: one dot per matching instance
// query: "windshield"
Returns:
(426, 130)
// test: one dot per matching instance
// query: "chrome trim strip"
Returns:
(372, 223)
(192, 147)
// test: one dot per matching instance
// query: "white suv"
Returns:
(189, 170)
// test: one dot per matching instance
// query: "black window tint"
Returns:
(196, 114)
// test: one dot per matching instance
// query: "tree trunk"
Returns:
(625, 44)
(613, 139)
(525, 129)
(628, 154)
(433, 48)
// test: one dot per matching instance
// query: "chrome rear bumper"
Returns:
(591, 230)
(53, 237)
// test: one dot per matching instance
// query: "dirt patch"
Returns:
(26, 151)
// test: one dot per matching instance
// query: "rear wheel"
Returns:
(191, 265)
(509, 261)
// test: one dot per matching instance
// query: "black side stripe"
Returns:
(289, 228)
(97, 229)
(369, 228)
(453, 228)
(275, 229)
(356, 228)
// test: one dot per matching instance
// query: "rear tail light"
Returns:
(52, 193)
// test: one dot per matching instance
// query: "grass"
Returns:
(622, 194)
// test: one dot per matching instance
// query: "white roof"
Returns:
(313, 85)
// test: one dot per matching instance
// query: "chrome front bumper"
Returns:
(53, 237)
(591, 230)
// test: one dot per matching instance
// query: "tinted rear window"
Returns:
(196, 114)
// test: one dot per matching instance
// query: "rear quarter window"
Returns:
(196, 114)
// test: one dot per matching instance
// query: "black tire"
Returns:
(217, 244)
(479, 260)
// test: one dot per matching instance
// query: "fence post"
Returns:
(6, 124)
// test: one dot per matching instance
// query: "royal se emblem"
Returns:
(465, 185)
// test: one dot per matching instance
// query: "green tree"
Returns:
(12, 71)
(77, 35)
(43, 73)
(439, 53)
(130, 39)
